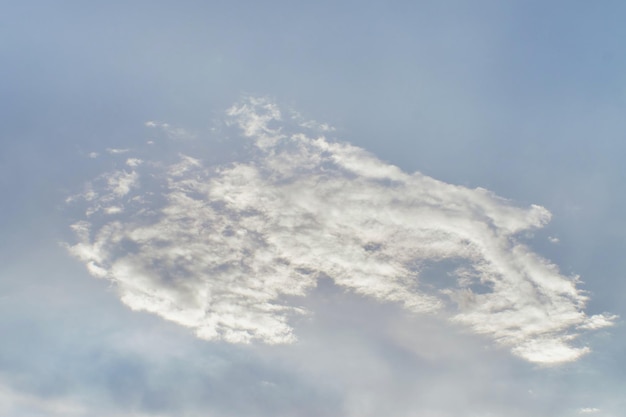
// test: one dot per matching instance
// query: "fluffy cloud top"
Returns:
(223, 249)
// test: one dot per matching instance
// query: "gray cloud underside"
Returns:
(224, 249)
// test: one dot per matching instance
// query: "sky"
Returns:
(276, 208)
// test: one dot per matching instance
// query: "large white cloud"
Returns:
(223, 249)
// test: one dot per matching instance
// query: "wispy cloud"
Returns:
(172, 132)
(114, 151)
(219, 249)
(589, 410)
(13, 402)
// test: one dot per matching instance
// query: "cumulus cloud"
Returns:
(225, 249)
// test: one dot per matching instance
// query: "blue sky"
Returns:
(312, 209)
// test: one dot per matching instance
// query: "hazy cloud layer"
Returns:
(224, 249)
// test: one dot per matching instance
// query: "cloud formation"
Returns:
(225, 249)
(172, 132)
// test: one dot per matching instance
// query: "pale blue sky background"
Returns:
(524, 98)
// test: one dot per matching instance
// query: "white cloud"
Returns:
(222, 247)
(172, 132)
(133, 162)
(115, 151)
(589, 410)
(310, 124)
(120, 182)
(598, 321)
(113, 210)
